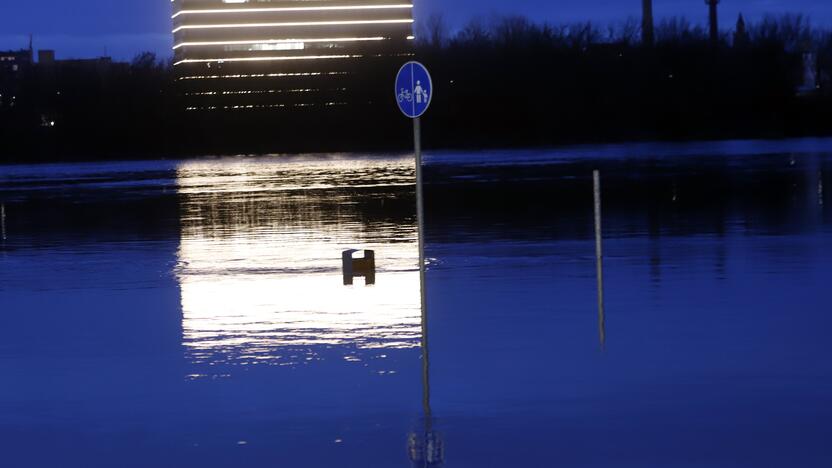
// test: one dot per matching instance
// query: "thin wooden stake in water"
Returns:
(420, 215)
(599, 258)
(3, 222)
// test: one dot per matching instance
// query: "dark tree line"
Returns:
(91, 109)
(510, 81)
(501, 82)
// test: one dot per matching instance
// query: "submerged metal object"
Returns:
(362, 267)
(426, 449)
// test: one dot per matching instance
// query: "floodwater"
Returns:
(194, 313)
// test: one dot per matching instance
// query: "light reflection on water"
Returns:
(259, 259)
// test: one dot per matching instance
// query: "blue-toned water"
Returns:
(193, 313)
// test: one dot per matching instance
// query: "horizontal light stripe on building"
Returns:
(291, 9)
(257, 75)
(267, 59)
(277, 41)
(289, 24)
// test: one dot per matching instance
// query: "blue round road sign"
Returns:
(414, 89)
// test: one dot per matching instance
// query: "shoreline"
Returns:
(665, 148)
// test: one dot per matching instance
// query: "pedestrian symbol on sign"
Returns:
(413, 89)
(421, 94)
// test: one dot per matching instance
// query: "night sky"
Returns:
(86, 28)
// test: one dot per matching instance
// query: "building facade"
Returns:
(14, 66)
(287, 54)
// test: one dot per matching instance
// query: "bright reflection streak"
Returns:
(259, 262)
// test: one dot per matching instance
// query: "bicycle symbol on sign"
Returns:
(405, 95)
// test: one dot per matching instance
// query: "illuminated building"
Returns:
(238, 54)
(15, 61)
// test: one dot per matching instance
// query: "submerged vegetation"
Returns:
(506, 81)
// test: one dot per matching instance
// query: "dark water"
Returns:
(192, 313)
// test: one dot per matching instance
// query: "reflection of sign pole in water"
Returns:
(414, 93)
(599, 258)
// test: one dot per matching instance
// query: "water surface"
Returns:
(193, 313)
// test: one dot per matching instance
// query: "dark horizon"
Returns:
(130, 27)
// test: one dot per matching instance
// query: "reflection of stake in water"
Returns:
(3, 222)
(599, 258)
